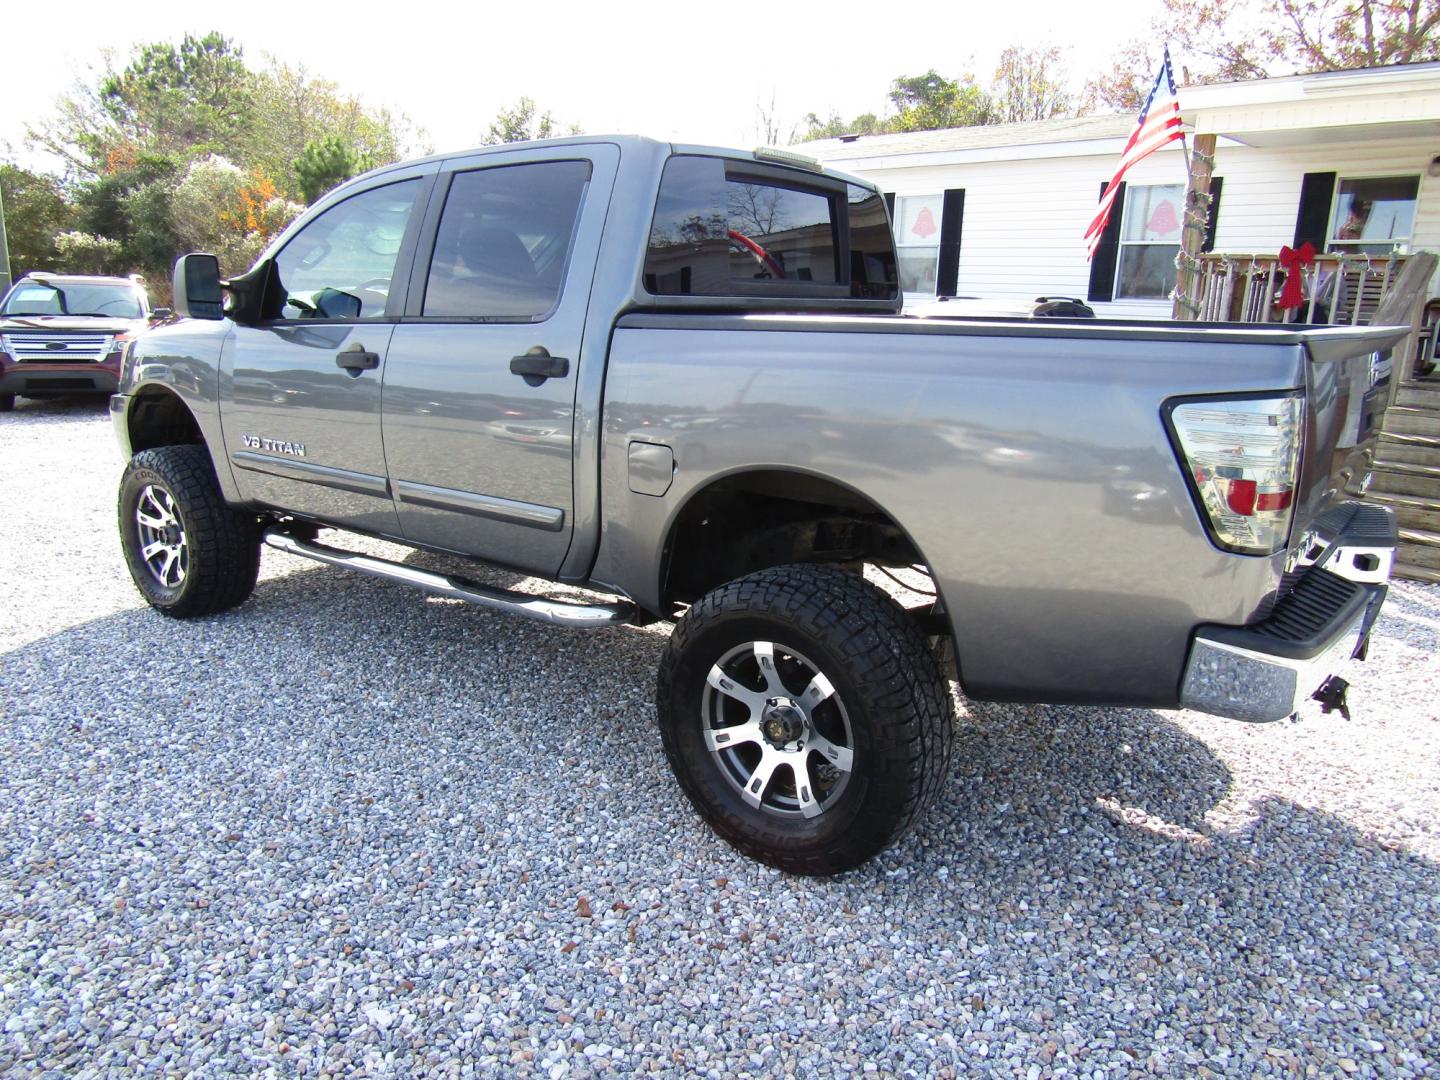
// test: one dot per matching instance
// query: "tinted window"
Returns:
(872, 248)
(779, 233)
(504, 238)
(723, 228)
(340, 266)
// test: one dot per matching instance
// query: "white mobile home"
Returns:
(1348, 161)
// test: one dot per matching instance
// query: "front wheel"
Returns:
(189, 552)
(804, 716)
(7, 402)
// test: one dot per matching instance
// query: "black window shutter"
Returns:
(1217, 184)
(1312, 223)
(1102, 264)
(952, 220)
(890, 206)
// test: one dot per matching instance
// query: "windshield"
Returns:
(117, 301)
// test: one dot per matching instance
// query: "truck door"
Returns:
(302, 388)
(478, 414)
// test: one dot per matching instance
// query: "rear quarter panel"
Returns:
(1033, 473)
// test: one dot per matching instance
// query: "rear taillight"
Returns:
(1242, 455)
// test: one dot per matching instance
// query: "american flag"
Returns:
(1158, 123)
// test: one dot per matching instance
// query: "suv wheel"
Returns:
(803, 714)
(189, 553)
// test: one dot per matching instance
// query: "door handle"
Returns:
(537, 365)
(356, 359)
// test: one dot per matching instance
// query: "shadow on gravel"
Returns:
(1035, 785)
(361, 741)
(74, 406)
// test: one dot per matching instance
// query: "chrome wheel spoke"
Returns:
(752, 699)
(725, 738)
(804, 785)
(780, 732)
(765, 658)
(819, 690)
(842, 757)
(160, 537)
(754, 792)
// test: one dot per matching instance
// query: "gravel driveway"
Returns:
(346, 827)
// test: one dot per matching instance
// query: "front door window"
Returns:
(341, 265)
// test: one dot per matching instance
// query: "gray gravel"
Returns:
(348, 828)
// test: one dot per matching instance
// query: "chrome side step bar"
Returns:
(586, 616)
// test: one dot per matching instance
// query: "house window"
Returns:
(1374, 216)
(917, 241)
(1149, 241)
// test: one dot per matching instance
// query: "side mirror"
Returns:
(161, 314)
(197, 286)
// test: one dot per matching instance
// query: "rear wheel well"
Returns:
(756, 520)
(159, 418)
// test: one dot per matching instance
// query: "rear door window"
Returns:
(504, 241)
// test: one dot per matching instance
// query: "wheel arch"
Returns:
(158, 416)
(755, 517)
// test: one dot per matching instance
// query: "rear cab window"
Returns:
(727, 227)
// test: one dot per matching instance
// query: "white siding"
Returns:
(1024, 225)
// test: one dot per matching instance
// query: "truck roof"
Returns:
(768, 155)
(43, 277)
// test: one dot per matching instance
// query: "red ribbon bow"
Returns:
(1293, 260)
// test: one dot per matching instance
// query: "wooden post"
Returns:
(1192, 234)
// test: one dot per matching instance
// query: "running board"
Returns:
(587, 616)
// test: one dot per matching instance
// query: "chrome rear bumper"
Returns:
(1265, 671)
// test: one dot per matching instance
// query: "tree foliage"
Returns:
(522, 122)
(146, 143)
(1029, 85)
(1253, 39)
(85, 253)
(930, 101)
(324, 163)
(1123, 86)
(179, 99)
(35, 213)
(218, 208)
(1224, 40)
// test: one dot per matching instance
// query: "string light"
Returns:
(1197, 215)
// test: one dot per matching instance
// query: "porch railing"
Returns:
(1339, 289)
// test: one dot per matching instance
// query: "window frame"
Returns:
(1352, 247)
(899, 247)
(395, 299)
(1121, 244)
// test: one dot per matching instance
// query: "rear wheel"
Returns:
(189, 553)
(804, 716)
(7, 402)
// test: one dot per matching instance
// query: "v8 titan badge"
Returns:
(273, 446)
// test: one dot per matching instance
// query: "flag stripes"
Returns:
(1158, 124)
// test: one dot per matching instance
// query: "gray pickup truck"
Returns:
(679, 376)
